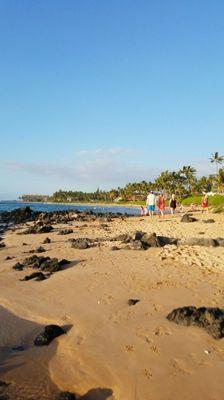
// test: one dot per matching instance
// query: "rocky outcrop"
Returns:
(81, 243)
(209, 318)
(43, 264)
(188, 218)
(38, 228)
(17, 216)
(25, 214)
(49, 333)
(142, 241)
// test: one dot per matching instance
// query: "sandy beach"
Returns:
(112, 350)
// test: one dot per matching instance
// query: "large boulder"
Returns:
(209, 318)
(81, 243)
(49, 333)
(150, 240)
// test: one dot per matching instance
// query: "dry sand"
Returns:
(114, 351)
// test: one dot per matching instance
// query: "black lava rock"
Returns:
(38, 228)
(49, 333)
(132, 302)
(40, 249)
(208, 242)
(66, 396)
(209, 318)
(81, 243)
(47, 240)
(4, 384)
(18, 267)
(38, 276)
(17, 216)
(65, 231)
(188, 218)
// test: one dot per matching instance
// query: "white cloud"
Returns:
(105, 152)
(100, 167)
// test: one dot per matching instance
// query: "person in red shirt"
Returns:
(161, 205)
(204, 204)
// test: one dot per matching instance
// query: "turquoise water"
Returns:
(11, 205)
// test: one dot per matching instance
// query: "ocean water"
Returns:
(11, 205)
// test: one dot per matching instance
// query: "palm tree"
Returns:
(189, 174)
(217, 160)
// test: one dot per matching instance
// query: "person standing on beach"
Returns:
(204, 203)
(173, 204)
(151, 203)
(161, 205)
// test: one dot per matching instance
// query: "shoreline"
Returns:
(126, 205)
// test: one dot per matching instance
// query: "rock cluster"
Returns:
(85, 243)
(38, 276)
(49, 333)
(38, 228)
(18, 216)
(211, 319)
(44, 264)
(143, 241)
(25, 214)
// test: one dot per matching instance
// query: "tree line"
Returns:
(182, 182)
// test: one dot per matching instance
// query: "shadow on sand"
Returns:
(24, 371)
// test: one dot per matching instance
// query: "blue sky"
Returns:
(97, 93)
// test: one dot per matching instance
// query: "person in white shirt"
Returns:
(151, 203)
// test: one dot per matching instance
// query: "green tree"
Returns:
(217, 160)
(188, 173)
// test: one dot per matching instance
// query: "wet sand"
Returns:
(114, 351)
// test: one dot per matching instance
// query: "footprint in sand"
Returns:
(147, 373)
(80, 340)
(161, 331)
(129, 348)
(179, 367)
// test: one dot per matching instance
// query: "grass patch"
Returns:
(214, 201)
